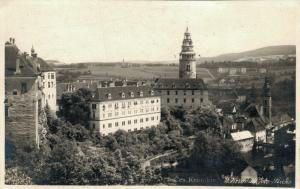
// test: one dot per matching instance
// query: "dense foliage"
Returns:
(73, 154)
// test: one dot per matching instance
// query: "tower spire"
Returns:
(187, 61)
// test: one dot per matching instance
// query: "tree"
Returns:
(213, 156)
(74, 107)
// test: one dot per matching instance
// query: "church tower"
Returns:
(187, 61)
(267, 99)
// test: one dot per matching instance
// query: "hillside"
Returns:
(257, 53)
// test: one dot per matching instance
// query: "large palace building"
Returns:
(129, 108)
(187, 90)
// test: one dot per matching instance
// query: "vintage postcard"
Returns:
(150, 93)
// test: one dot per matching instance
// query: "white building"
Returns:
(129, 108)
(245, 140)
(48, 80)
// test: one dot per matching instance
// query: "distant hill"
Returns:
(257, 53)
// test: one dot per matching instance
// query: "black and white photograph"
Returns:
(149, 93)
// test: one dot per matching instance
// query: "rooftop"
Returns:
(175, 83)
(242, 135)
(123, 93)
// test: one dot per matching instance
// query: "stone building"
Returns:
(187, 90)
(187, 61)
(129, 108)
(24, 97)
(182, 92)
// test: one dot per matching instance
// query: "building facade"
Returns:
(244, 139)
(48, 76)
(187, 61)
(129, 108)
(23, 98)
(182, 92)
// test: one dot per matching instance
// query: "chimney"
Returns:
(13, 40)
(17, 66)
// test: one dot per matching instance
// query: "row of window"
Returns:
(51, 75)
(184, 100)
(123, 113)
(50, 84)
(129, 122)
(131, 94)
(184, 92)
(123, 105)
(49, 96)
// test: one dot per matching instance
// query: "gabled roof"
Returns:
(123, 93)
(255, 124)
(184, 84)
(66, 87)
(44, 66)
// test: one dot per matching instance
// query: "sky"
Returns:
(88, 31)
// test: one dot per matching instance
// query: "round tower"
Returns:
(187, 61)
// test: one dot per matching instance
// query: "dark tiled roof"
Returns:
(255, 124)
(174, 83)
(227, 107)
(116, 93)
(44, 66)
(27, 64)
(11, 56)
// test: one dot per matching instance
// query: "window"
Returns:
(141, 120)
(116, 113)
(152, 92)
(184, 100)
(94, 115)
(103, 107)
(94, 126)
(123, 105)
(188, 68)
(152, 101)
(109, 105)
(201, 99)
(94, 106)
(135, 121)
(109, 125)
(103, 126)
(129, 122)
(147, 119)
(116, 124)
(173, 85)
(192, 100)
(152, 118)
(176, 100)
(52, 83)
(141, 110)
(184, 92)
(141, 93)
(48, 84)
(48, 75)
(43, 84)
(108, 96)
(157, 100)
(23, 88)
(131, 94)
(192, 92)
(135, 103)
(168, 92)
(176, 92)
(123, 123)
(141, 102)
(52, 76)
(168, 100)
(109, 114)
(123, 95)
(15, 92)
(116, 106)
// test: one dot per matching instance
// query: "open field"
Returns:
(143, 72)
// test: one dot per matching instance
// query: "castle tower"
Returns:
(267, 99)
(187, 61)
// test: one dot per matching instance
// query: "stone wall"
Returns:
(21, 126)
